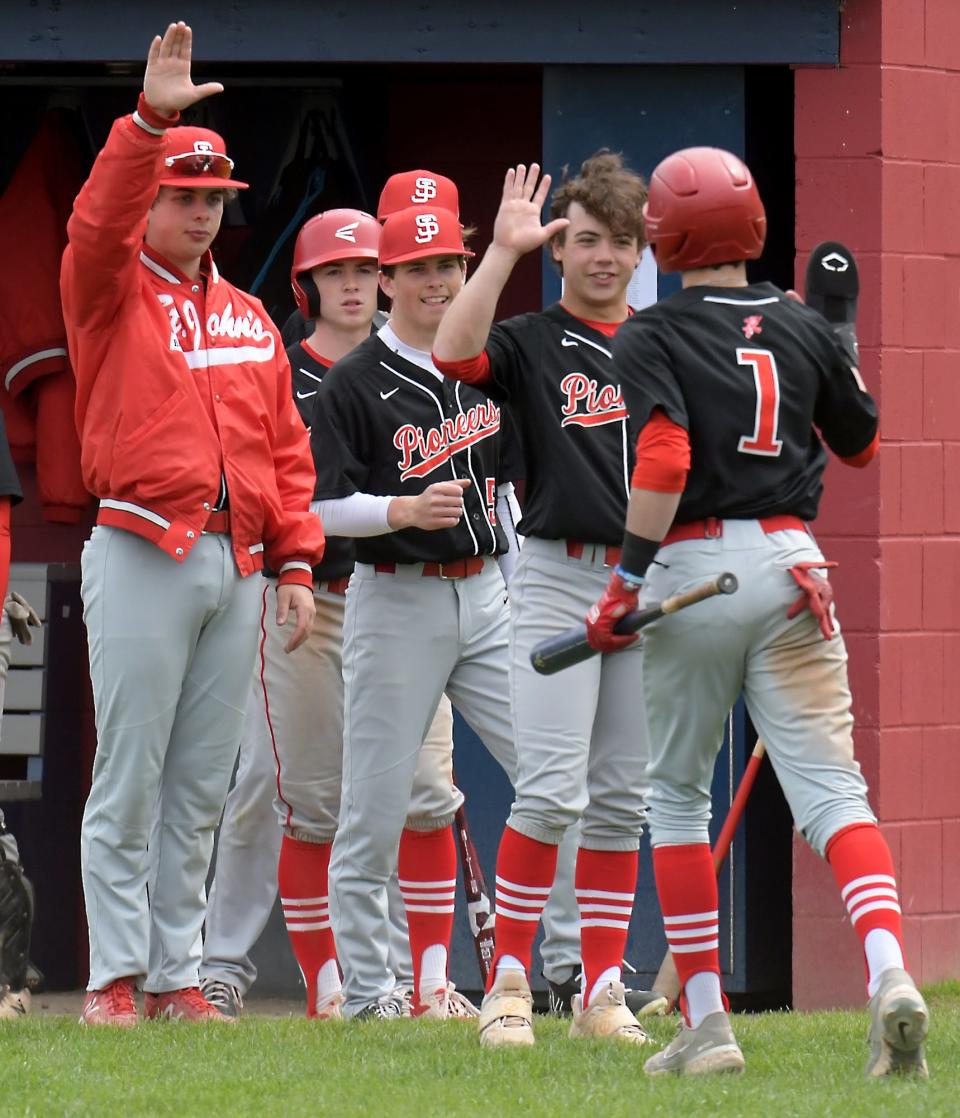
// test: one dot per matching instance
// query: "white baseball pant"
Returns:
(794, 683)
(171, 651)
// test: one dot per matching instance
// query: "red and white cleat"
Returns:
(113, 1005)
(445, 1003)
(328, 1007)
(187, 1004)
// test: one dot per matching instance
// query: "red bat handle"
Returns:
(722, 846)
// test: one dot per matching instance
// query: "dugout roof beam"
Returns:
(561, 32)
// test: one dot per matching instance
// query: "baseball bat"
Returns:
(480, 913)
(667, 981)
(572, 646)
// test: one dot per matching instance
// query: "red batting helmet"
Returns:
(703, 208)
(417, 188)
(197, 158)
(417, 232)
(333, 235)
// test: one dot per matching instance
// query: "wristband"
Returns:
(637, 554)
(633, 582)
(150, 120)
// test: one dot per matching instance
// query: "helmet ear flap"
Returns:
(310, 290)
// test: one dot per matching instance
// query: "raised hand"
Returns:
(167, 84)
(517, 228)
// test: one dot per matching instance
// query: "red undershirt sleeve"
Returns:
(471, 370)
(663, 455)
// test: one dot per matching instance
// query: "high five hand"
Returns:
(517, 227)
(167, 84)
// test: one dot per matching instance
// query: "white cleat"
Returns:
(899, 1019)
(607, 1017)
(506, 1013)
(706, 1050)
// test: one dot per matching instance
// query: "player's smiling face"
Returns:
(421, 290)
(348, 292)
(182, 223)
(597, 264)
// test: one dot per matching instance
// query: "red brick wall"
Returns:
(878, 167)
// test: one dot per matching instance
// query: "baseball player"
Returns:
(291, 758)
(334, 280)
(244, 886)
(730, 383)
(408, 464)
(580, 757)
(192, 443)
(560, 948)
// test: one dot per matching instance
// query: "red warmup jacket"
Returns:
(36, 384)
(177, 381)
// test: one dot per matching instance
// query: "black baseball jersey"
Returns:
(385, 426)
(752, 375)
(9, 482)
(307, 373)
(557, 375)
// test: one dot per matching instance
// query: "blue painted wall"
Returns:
(644, 111)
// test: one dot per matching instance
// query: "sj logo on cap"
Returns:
(426, 190)
(427, 228)
(202, 147)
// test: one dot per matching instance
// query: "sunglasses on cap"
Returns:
(201, 163)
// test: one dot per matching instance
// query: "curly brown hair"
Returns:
(608, 190)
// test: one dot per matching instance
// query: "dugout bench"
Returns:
(47, 741)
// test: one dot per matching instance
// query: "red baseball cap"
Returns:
(417, 232)
(417, 188)
(197, 158)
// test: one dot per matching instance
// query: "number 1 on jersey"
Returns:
(764, 439)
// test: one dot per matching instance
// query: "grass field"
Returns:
(797, 1065)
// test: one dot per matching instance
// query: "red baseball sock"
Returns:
(304, 894)
(606, 881)
(525, 873)
(687, 888)
(427, 867)
(861, 863)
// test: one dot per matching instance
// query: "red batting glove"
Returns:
(817, 595)
(619, 598)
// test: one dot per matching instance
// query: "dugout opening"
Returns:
(309, 137)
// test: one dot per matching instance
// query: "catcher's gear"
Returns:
(16, 922)
(618, 599)
(22, 617)
(703, 208)
(333, 235)
(817, 595)
(14, 1004)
